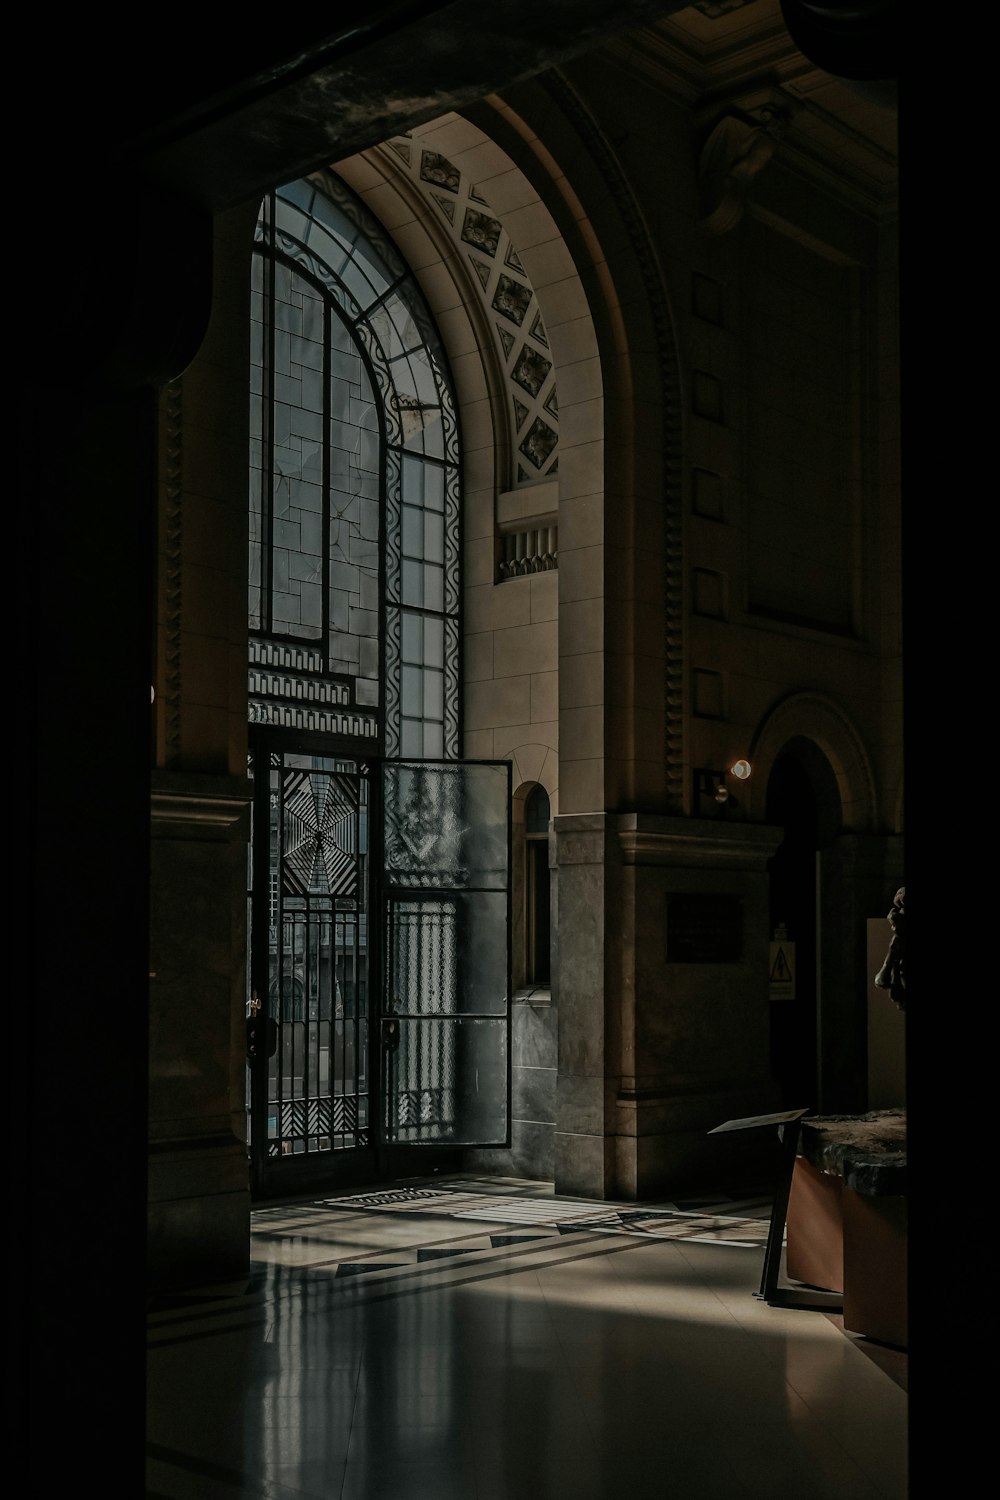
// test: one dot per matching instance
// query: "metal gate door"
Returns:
(310, 1072)
(379, 1012)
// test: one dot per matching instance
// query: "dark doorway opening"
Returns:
(792, 804)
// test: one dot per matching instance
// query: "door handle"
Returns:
(390, 1030)
(262, 1032)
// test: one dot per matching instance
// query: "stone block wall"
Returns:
(534, 1056)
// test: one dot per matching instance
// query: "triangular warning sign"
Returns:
(779, 969)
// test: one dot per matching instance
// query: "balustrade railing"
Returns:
(524, 552)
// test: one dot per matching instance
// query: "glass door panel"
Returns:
(445, 1027)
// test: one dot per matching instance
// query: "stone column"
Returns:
(198, 1183)
(198, 1180)
(698, 904)
(588, 1043)
(663, 1001)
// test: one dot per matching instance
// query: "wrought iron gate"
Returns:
(379, 996)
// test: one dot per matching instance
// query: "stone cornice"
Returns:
(685, 69)
(182, 1143)
(747, 66)
(692, 841)
(654, 839)
(198, 805)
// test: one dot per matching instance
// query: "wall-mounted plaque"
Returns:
(704, 929)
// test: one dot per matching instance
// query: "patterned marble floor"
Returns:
(482, 1339)
(736, 1222)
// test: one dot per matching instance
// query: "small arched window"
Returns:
(536, 887)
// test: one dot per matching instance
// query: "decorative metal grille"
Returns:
(319, 1117)
(424, 1107)
(318, 936)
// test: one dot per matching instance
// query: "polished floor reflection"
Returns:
(481, 1339)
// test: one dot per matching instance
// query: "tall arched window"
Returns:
(354, 512)
(353, 613)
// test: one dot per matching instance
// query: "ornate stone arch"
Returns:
(459, 300)
(387, 190)
(536, 765)
(818, 719)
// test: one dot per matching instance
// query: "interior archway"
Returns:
(835, 755)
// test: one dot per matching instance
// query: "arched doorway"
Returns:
(802, 799)
(379, 858)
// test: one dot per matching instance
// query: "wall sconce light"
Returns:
(741, 770)
(712, 796)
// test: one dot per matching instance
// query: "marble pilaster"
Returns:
(198, 1178)
(657, 1048)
